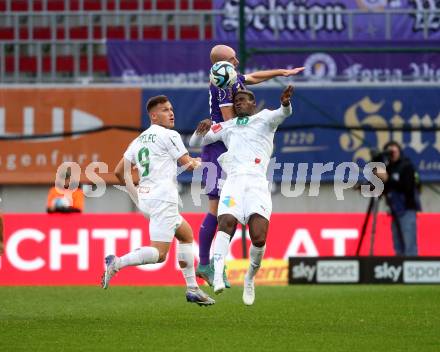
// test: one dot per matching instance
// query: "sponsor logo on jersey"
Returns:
(242, 120)
(216, 128)
(221, 95)
(229, 202)
(143, 190)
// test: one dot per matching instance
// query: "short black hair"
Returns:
(247, 92)
(392, 143)
(154, 101)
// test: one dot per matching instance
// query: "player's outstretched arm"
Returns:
(261, 76)
(214, 134)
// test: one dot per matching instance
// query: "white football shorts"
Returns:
(242, 196)
(164, 218)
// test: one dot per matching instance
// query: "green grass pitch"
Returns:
(293, 318)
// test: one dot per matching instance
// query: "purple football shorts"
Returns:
(213, 172)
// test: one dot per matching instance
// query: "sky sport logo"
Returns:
(387, 272)
(337, 271)
(416, 272)
(327, 271)
(304, 271)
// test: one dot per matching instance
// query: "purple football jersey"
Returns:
(223, 97)
(217, 98)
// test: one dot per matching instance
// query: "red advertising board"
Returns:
(69, 249)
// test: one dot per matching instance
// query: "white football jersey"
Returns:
(249, 141)
(155, 153)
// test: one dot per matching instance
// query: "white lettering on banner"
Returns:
(300, 238)
(110, 236)
(337, 271)
(339, 237)
(386, 271)
(288, 16)
(421, 272)
(57, 249)
(80, 120)
(12, 249)
(303, 271)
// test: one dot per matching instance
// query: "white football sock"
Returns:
(140, 256)
(255, 255)
(221, 248)
(185, 254)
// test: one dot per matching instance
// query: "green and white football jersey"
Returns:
(155, 153)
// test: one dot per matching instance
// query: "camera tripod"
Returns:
(372, 210)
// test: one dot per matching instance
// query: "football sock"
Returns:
(185, 256)
(221, 248)
(140, 256)
(206, 235)
(255, 255)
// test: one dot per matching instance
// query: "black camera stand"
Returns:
(372, 210)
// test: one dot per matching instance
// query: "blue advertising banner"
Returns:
(317, 132)
(306, 20)
(154, 62)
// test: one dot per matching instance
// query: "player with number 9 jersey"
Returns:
(155, 154)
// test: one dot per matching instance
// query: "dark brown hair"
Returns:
(392, 143)
(154, 101)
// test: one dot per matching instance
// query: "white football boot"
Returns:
(196, 295)
(111, 269)
(219, 286)
(248, 292)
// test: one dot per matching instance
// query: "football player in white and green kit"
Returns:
(155, 154)
(245, 196)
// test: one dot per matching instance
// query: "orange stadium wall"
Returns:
(39, 111)
(43, 249)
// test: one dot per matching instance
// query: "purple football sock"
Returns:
(206, 235)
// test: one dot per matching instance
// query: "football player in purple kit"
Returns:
(221, 109)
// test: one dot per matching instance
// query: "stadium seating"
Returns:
(98, 5)
(64, 64)
(24, 23)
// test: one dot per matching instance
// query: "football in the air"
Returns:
(223, 74)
